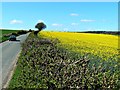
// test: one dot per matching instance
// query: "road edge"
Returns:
(11, 72)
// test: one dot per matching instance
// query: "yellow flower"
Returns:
(104, 46)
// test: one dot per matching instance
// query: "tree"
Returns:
(30, 30)
(36, 32)
(40, 26)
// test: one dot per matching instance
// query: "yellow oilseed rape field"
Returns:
(101, 45)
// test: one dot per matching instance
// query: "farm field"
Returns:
(67, 62)
(101, 45)
(5, 32)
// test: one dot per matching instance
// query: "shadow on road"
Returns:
(16, 41)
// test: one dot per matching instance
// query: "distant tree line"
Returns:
(103, 32)
(19, 32)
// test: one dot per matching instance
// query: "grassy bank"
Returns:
(45, 64)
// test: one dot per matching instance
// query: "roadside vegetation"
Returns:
(50, 62)
(6, 33)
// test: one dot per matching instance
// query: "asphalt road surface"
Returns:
(8, 53)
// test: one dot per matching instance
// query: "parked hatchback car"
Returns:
(12, 38)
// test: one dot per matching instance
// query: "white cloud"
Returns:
(74, 14)
(74, 24)
(16, 22)
(87, 20)
(56, 24)
(40, 21)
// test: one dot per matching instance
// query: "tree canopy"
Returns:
(40, 26)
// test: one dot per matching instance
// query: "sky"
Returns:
(61, 16)
(60, 0)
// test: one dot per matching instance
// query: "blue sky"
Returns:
(64, 16)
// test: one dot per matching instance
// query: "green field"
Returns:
(6, 32)
(52, 60)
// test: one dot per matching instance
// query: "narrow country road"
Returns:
(8, 53)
